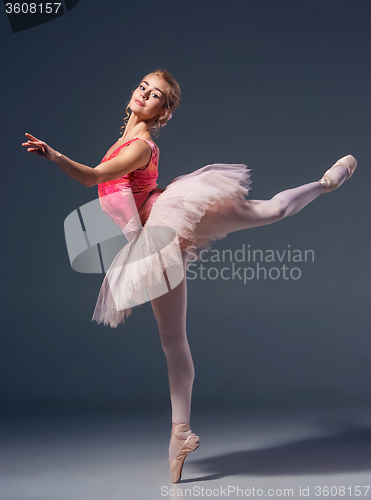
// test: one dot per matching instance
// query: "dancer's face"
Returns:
(149, 98)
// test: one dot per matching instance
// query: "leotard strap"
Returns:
(130, 141)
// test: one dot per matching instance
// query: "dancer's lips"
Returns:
(140, 103)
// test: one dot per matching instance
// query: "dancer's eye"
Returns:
(155, 95)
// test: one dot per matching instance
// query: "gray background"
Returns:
(282, 86)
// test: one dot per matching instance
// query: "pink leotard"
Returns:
(141, 182)
(121, 199)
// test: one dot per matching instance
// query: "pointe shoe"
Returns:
(329, 184)
(185, 446)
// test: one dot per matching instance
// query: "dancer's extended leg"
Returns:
(170, 312)
(243, 214)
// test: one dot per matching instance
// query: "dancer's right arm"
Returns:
(134, 156)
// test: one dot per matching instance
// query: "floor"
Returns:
(242, 454)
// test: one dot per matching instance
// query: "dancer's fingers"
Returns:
(39, 144)
(32, 137)
(39, 151)
(34, 143)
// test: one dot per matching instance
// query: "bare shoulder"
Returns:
(143, 144)
(142, 151)
(146, 146)
(156, 146)
(149, 139)
(138, 149)
(152, 142)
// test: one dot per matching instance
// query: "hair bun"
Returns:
(170, 117)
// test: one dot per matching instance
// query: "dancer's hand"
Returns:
(40, 148)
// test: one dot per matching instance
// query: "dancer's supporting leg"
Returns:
(243, 214)
(170, 312)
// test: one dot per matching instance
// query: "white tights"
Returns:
(170, 309)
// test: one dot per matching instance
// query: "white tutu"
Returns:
(136, 275)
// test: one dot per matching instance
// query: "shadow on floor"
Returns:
(347, 452)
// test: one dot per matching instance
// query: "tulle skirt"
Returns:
(151, 263)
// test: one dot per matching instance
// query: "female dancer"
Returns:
(200, 207)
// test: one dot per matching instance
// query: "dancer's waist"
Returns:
(134, 188)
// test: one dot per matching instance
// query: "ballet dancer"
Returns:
(201, 207)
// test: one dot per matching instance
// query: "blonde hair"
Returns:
(173, 96)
